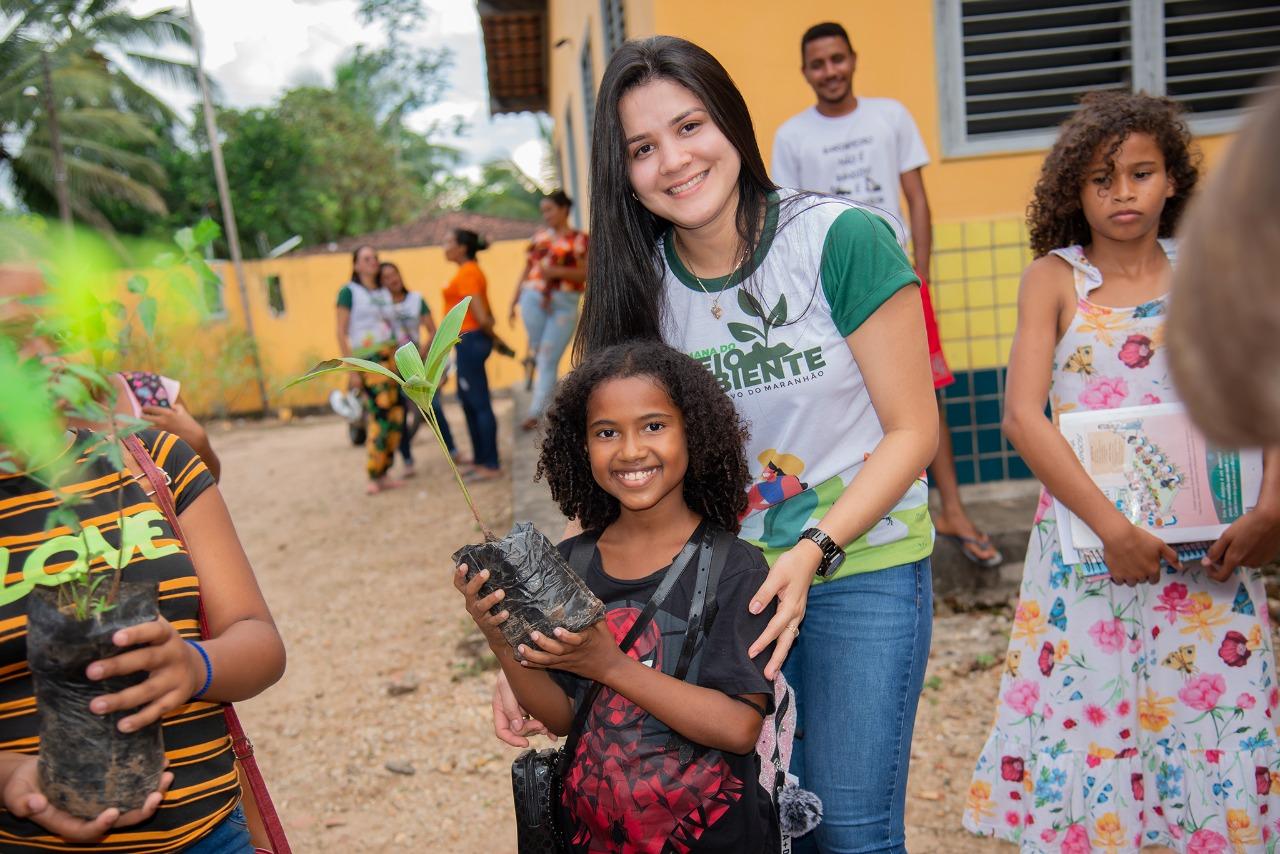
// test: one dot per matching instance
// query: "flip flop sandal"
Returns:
(967, 543)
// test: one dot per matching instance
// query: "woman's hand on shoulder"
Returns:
(175, 671)
(788, 582)
(1134, 556)
(23, 798)
(480, 607)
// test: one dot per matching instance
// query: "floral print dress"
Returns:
(1129, 716)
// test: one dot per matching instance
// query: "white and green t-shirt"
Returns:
(372, 318)
(782, 357)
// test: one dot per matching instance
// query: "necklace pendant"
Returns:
(716, 311)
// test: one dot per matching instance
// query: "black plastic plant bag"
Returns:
(86, 764)
(543, 591)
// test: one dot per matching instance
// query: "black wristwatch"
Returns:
(832, 554)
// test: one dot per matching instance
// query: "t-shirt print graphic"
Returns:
(763, 363)
(667, 799)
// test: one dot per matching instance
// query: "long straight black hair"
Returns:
(625, 299)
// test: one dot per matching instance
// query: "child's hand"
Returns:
(1251, 540)
(178, 421)
(23, 798)
(479, 608)
(589, 653)
(175, 671)
(1134, 556)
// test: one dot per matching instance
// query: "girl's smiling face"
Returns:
(636, 444)
(1126, 201)
(682, 167)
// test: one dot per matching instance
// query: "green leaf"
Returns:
(137, 284)
(447, 335)
(779, 314)
(206, 231)
(750, 304)
(147, 308)
(409, 362)
(186, 239)
(744, 333)
(346, 364)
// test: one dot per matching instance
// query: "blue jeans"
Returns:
(857, 668)
(473, 393)
(550, 328)
(230, 836)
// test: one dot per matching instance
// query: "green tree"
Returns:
(73, 106)
(503, 190)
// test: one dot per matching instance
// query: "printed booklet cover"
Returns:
(1160, 472)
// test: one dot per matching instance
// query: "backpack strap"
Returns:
(579, 559)
(702, 611)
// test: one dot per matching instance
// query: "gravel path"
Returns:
(386, 672)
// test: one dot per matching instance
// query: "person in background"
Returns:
(1135, 709)
(478, 340)
(413, 322)
(182, 680)
(1224, 315)
(365, 329)
(864, 149)
(547, 296)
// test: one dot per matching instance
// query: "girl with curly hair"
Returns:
(1137, 712)
(665, 756)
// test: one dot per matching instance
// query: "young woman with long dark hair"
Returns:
(808, 313)
(366, 329)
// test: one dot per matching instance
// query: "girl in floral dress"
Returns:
(1136, 710)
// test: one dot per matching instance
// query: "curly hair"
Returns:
(1055, 217)
(715, 484)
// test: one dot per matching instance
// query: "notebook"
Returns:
(1158, 470)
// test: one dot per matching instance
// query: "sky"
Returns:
(256, 49)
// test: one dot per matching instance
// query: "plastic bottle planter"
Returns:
(543, 591)
(86, 763)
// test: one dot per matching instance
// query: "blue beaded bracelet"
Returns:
(208, 670)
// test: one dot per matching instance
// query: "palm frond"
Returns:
(162, 28)
(180, 74)
(136, 165)
(103, 121)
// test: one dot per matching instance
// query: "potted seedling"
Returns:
(86, 764)
(542, 591)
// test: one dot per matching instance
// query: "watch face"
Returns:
(831, 564)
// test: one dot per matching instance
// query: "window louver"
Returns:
(1025, 64)
(1218, 53)
(613, 25)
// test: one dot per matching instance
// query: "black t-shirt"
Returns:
(634, 784)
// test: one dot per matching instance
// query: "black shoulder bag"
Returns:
(537, 776)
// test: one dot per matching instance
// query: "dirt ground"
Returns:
(378, 738)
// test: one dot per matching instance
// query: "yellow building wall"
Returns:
(203, 356)
(978, 202)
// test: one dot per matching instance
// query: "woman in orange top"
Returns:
(478, 341)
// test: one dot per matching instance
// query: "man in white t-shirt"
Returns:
(865, 150)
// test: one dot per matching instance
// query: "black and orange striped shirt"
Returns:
(205, 787)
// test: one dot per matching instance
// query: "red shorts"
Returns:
(942, 376)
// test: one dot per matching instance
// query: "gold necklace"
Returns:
(716, 311)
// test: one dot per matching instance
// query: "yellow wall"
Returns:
(306, 331)
(977, 201)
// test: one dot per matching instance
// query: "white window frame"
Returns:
(1147, 32)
